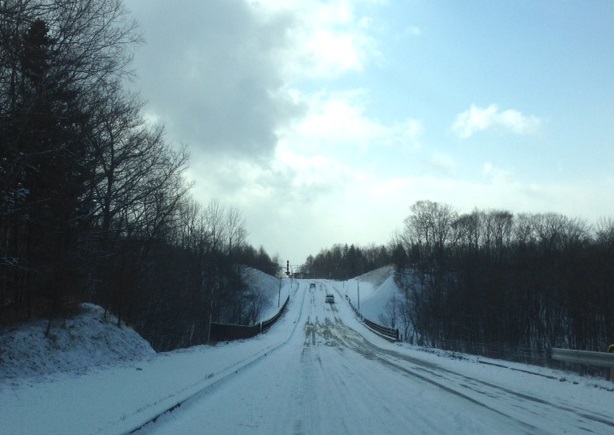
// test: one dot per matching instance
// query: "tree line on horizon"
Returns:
(343, 261)
(531, 281)
(93, 201)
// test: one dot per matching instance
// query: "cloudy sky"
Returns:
(324, 121)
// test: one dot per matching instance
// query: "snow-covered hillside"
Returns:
(78, 344)
(271, 289)
(90, 340)
(376, 289)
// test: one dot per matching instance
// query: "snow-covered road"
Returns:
(331, 375)
(318, 370)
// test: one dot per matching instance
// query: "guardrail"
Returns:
(601, 359)
(355, 310)
(587, 358)
(389, 333)
(268, 323)
(229, 332)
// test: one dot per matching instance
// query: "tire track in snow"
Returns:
(344, 378)
(471, 389)
(490, 390)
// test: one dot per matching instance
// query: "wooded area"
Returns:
(343, 262)
(531, 281)
(93, 202)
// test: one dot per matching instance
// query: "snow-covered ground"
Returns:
(375, 290)
(75, 345)
(318, 370)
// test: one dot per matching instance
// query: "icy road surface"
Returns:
(332, 376)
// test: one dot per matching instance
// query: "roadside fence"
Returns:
(229, 332)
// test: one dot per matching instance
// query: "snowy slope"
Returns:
(376, 289)
(86, 341)
(91, 340)
(269, 287)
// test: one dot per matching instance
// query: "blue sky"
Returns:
(324, 121)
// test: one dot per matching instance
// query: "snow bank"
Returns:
(379, 288)
(75, 345)
(376, 289)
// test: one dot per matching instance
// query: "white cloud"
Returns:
(477, 119)
(340, 121)
(227, 81)
(496, 175)
(314, 174)
(325, 39)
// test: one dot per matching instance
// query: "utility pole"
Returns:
(279, 293)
